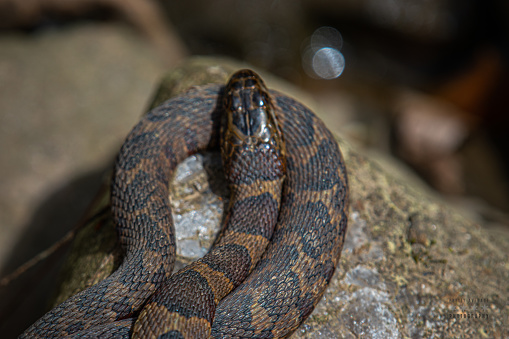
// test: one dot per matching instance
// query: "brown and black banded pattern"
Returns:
(254, 160)
(295, 269)
(300, 260)
(150, 154)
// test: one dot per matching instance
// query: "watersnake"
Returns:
(298, 263)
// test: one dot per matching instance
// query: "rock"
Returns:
(411, 267)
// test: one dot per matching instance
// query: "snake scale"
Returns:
(295, 268)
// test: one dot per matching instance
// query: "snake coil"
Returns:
(297, 264)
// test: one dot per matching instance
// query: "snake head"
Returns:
(249, 123)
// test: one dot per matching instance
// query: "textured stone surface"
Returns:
(59, 121)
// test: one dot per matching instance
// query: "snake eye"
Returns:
(259, 99)
(236, 103)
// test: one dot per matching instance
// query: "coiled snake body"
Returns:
(293, 272)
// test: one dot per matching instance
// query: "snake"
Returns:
(229, 293)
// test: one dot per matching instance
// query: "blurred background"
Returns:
(424, 81)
